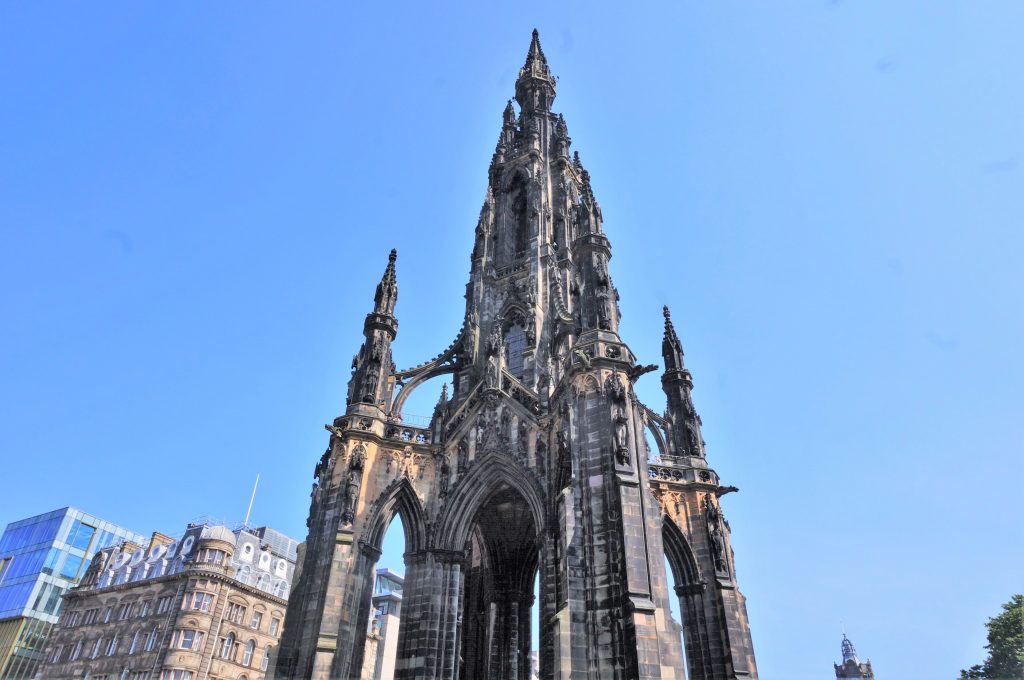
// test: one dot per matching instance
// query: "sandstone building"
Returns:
(209, 605)
(535, 464)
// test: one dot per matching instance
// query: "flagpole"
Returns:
(251, 499)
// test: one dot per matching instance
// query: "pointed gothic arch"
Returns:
(689, 589)
(487, 475)
(398, 498)
(681, 559)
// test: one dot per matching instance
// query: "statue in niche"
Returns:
(694, 449)
(445, 477)
(371, 384)
(716, 539)
(377, 351)
(505, 433)
(521, 435)
(463, 460)
(349, 499)
(604, 314)
(621, 437)
(358, 457)
(620, 419)
(495, 342)
(541, 452)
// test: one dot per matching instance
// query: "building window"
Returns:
(275, 623)
(112, 646)
(76, 651)
(199, 602)
(187, 639)
(144, 608)
(106, 614)
(175, 674)
(163, 604)
(250, 647)
(96, 648)
(515, 345)
(236, 613)
(125, 611)
(151, 639)
(55, 657)
(244, 575)
(211, 556)
(5, 564)
(71, 566)
(266, 658)
(257, 620)
(80, 535)
(227, 647)
(90, 617)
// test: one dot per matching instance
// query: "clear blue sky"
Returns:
(196, 202)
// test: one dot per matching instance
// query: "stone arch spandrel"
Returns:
(487, 474)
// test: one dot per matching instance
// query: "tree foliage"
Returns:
(1005, 646)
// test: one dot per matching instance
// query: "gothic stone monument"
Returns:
(536, 463)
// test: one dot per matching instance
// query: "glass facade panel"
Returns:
(51, 561)
(81, 534)
(71, 567)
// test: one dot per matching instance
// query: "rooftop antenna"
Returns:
(251, 499)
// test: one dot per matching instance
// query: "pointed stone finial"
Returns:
(387, 289)
(535, 51)
(509, 116)
(671, 348)
(535, 88)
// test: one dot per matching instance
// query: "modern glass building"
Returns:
(42, 557)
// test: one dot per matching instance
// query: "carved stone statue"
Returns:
(463, 455)
(621, 437)
(521, 435)
(358, 458)
(716, 539)
(445, 477)
(349, 500)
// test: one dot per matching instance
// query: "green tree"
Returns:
(1005, 646)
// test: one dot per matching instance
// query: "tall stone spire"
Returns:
(683, 421)
(372, 365)
(534, 465)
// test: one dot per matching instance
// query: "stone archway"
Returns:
(502, 558)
